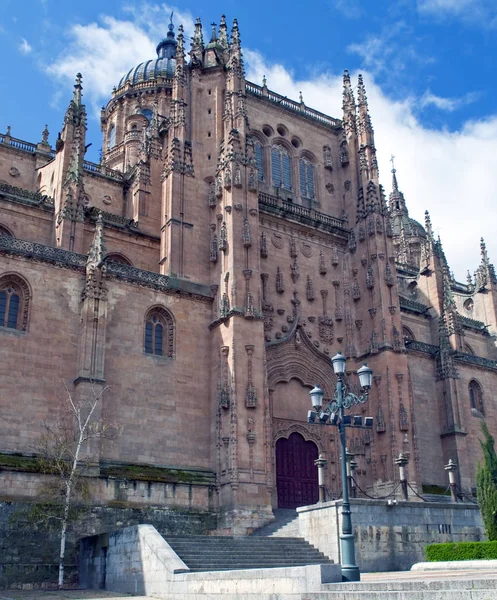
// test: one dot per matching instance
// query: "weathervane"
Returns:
(392, 158)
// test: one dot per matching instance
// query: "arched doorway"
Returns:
(296, 474)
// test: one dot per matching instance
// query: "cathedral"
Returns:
(201, 276)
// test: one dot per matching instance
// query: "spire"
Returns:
(235, 37)
(197, 40)
(367, 150)
(397, 203)
(428, 225)
(180, 48)
(348, 106)
(167, 47)
(76, 112)
(44, 135)
(223, 33)
(362, 99)
(485, 274)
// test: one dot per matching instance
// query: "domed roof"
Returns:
(163, 66)
(150, 70)
(410, 226)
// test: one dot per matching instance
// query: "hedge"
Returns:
(461, 551)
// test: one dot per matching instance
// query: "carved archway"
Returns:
(295, 357)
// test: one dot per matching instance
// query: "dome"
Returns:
(411, 226)
(163, 66)
(150, 70)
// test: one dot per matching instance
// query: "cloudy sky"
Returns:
(428, 65)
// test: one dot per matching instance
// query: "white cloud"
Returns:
(482, 12)
(106, 50)
(452, 174)
(447, 104)
(25, 47)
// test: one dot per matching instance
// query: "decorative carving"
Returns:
(267, 307)
(370, 278)
(397, 343)
(223, 392)
(389, 278)
(352, 242)
(294, 267)
(249, 309)
(379, 225)
(277, 240)
(293, 248)
(327, 158)
(214, 244)
(263, 246)
(380, 421)
(306, 249)
(309, 289)
(403, 418)
(280, 286)
(361, 234)
(247, 237)
(237, 182)
(250, 392)
(322, 263)
(356, 289)
(374, 343)
(212, 194)
(223, 237)
(334, 256)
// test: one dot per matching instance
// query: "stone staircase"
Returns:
(211, 553)
(285, 524)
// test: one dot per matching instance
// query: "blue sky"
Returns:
(428, 67)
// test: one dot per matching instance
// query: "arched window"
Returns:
(468, 349)
(259, 159)
(112, 136)
(407, 335)
(159, 332)
(14, 302)
(281, 167)
(306, 170)
(5, 231)
(118, 258)
(476, 396)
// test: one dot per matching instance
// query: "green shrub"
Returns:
(461, 551)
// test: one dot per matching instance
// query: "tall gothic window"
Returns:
(281, 167)
(306, 170)
(14, 302)
(159, 332)
(476, 396)
(259, 159)
(112, 136)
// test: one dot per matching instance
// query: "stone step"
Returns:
(285, 524)
(209, 553)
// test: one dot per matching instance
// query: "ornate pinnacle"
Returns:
(483, 250)
(223, 33)
(213, 32)
(44, 135)
(235, 35)
(348, 103)
(362, 99)
(428, 227)
(198, 38)
(97, 248)
(77, 89)
(180, 46)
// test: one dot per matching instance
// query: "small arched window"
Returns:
(408, 335)
(5, 231)
(259, 160)
(159, 333)
(281, 167)
(14, 302)
(306, 169)
(112, 136)
(118, 258)
(476, 396)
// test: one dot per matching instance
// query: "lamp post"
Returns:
(334, 413)
(321, 464)
(402, 461)
(451, 468)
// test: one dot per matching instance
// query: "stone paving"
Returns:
(397, 576)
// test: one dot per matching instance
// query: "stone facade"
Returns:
(228, 244)
(390, 536)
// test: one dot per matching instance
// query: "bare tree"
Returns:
(64, 452)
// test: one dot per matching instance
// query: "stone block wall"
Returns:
(390, 537)
(29, 551)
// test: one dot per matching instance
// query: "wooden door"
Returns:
(296, 474)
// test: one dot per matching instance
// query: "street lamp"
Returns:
(334, 415)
